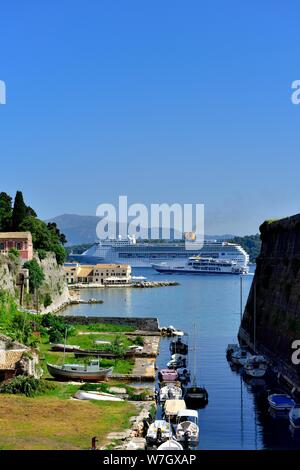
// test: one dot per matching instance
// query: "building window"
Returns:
(2, 246)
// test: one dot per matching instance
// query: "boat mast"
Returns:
(254, 317)
(194, 356)
(241, 297)
(65, 345)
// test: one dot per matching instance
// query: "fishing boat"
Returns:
(195, 396)
(187, 426)
(170, 392)
(168, 375)
(158, 432)
(256, 366)
(240, 357)
(281, 401)
(294, 416)
(177, 361)
(178, 347)
(170, 444)
(101, 396)
(91, 371)
(172, 408)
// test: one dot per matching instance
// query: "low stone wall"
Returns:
(140, 323)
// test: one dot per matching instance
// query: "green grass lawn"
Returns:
(54, 423)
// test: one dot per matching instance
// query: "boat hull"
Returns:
(62, 374)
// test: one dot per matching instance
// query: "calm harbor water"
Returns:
(237, 415)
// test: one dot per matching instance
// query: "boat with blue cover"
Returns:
(281, 401)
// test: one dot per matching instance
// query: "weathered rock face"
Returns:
(7, 274)
(276, 287)
(54, 284)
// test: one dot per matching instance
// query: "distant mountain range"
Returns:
(81, 229)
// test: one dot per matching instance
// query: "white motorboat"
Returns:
(231, 348)
(86, 395)
(170, 444)
(170, 392)
(256, 366)
(177, 361)
(158, 432)
(240, 357)
(294, 416)
(187, 426)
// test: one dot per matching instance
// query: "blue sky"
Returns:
(164, 101)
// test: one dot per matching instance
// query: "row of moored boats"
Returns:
(179, 401)
(256, 366)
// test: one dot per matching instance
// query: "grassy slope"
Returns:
(49, 422)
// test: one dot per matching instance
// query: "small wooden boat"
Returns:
(178, 347)
(101, 396)
(170, 444)
(90, 372)
(168, 375)
(172, 408)
(281, 401)
(64, 348)
(294, 416)
(187, 426)
(158, 432)
(256, 366)
(170, 392)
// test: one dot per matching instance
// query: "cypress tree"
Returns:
(5, 212)
(19, 211)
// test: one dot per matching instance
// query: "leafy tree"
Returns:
(5, 212)
(47, 300)
(19, 211)
(56, 232)
(36, 274)
(44, 238)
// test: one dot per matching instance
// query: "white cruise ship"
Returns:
(202, 265)
(141, 254)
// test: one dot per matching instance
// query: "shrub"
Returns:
(55, 336)
(47, 300)
(25, 385)
(138, 340)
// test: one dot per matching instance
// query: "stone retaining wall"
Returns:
(140, 323)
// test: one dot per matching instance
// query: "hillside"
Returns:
(81, 229)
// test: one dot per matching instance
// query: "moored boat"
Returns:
(172, 408)
(231, 348)
(170, 444)
(196, 397)
(168, 375)
(256, 366)
(170, 392)
(158, 432)
(89, 372)
(178, 347)
(187, 426)
(281, 401)
(294, 416)
(177, 361)
(240, 357)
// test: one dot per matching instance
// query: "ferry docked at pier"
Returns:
(202, 265)
(142, 254)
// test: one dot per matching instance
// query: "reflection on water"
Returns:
(237, 415)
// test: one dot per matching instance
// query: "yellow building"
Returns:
(103, 274)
